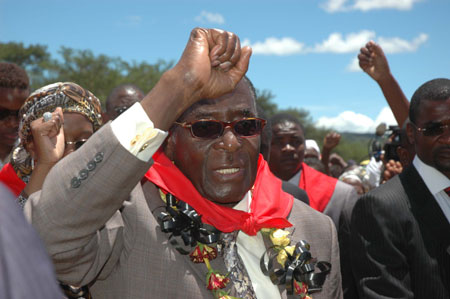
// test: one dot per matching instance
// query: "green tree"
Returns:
(264, 99)
(35, 59)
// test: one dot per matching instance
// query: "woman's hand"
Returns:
(48, 139)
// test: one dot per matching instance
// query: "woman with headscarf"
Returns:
(66, 104)
(44, 112)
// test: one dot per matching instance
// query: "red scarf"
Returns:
(269, 206)
(318, 186)
(8, 176)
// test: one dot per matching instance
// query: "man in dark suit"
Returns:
(401, 230)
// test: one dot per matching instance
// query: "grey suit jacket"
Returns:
(401, 241)
(339, 209)
(100, 230)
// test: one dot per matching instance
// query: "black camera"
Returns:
(392, 143)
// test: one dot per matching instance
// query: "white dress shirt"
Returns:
(436, 182)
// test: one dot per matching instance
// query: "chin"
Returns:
(226, 199)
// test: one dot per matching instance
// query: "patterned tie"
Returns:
(238, 274)
(447, 190)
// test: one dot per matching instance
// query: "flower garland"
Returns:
(296, 265)
(297, 272)
(181, 220)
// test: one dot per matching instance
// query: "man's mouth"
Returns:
(228, 170)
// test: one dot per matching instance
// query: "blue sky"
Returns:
(304, 50)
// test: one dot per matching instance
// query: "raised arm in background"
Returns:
(373, 61)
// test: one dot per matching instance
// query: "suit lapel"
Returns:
(433, 224)
(424, 206)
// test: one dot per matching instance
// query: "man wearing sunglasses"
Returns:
(401, 230)
(14, 89)
(125, 240)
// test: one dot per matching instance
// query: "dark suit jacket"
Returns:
(100, 230)
(401, 241)
(25, 268)
(295, 191)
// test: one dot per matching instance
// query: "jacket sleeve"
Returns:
(77, 212)
(379, 247)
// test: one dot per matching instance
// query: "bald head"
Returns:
(122, 97)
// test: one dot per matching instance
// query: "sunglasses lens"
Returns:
(433, 130)
(5, 113)
(78, 144)
(207, 129)
(248, 127)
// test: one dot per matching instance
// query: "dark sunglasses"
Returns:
(6, 113)
(120, 110)
(211, 129)
(434, 129)
(77, 144)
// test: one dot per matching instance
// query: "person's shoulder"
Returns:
(389, 189)
(305, 216)
(388, 201)
(340, 185)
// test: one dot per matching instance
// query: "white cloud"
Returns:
(366, 5)
(386, 116)
(275, 46)
(349, 121)
(337, 44)
(391, 46)
(333, 6)
(354, 66)
(397, 45)
(210, 17)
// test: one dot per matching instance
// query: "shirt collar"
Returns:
(244, 204)
(433, 178)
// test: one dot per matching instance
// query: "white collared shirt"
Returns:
(436, 182)
(250, 249)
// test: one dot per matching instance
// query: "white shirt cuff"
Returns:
(136, 133)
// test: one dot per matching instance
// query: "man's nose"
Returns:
(288, 147)
(229, 141)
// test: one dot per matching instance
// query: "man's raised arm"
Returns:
(373, 61)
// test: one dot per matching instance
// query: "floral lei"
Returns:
(294, 265)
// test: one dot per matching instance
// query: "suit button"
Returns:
(83, 174)
(98, 157)
(91, 165)
(75, 183)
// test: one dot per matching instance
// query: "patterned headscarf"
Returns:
(70, 97)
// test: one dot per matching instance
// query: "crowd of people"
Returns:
(191, 191)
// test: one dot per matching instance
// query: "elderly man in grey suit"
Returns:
(401, 230)
(206, 187)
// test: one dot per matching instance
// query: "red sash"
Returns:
(9, 177)
(269, 206)
(318, 186)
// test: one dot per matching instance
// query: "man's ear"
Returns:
(403, 155)
(410, 133)
(169, 146)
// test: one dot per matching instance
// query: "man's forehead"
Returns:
(287, 127)
(433, 111)
(228, 107)
(12, 98)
